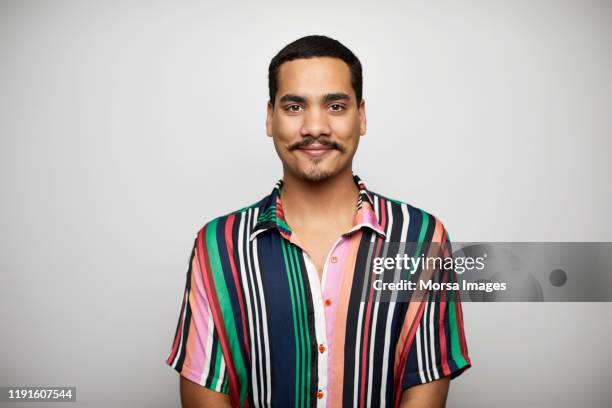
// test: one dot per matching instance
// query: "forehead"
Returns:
(314, 77)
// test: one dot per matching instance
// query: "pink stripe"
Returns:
(179, 333)
(331, 288)
(200, 330)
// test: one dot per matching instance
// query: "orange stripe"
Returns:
(337, 359)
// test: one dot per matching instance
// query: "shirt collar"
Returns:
(271, 213)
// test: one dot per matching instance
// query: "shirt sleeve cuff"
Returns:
(416, 378)
(210, 382)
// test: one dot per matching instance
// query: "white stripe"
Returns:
(320, 331)
(357, 347)
(219, 384)
(423, 325)
(391, 311)
(376, 307)
(208, 348)
(432, 337)
(247, 296)
(257, 393)
(418, 352)
(264, 317)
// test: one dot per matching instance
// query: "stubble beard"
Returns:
(315, 173)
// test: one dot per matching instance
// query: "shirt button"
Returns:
(320, 394)
(328, 302)
(321, 348)
(334, 259)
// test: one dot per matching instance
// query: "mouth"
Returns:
(315, 150)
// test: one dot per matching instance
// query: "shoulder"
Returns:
(407, 222)
(227, 227)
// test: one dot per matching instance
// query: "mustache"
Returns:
(308, 140)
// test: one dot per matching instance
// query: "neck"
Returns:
(309, 203)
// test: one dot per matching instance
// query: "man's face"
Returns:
(316, 121)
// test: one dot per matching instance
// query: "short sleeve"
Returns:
(196, 351)
(439, 346)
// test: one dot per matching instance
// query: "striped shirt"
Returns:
(259, 324)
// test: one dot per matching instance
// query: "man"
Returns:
(279, 308)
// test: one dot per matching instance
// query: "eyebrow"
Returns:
(292, 98)
(335, 96)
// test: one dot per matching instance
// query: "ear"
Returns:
(269, 116)
(362, 118)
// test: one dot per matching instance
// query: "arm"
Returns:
(195, 396)
(196, 354)
(438, 352)
(429, 395)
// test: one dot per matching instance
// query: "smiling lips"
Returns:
(315, 150)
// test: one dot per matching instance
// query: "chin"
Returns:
(315, 173)
(316, 176)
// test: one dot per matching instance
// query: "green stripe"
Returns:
(295, 329)
(265, 217)
(217, 369)
(270, 214)
(305, 338)
(454, 334)
(271, 211)
(301, 320)
(226, 307)
(283, 224)
(424, 225)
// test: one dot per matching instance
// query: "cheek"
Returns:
(285, 128)
(345, 129)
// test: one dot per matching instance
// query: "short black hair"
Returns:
(310, 47)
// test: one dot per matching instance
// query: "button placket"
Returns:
(331, 261)
(320, 330)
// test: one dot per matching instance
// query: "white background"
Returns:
(125, 126)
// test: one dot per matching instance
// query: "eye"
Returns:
(336, 107)
(293, 108)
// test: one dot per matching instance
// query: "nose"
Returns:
(315, 123)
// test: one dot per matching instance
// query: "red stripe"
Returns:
(179, 332)
(443, 303)
(279, 209)
(443, 306)
(399, 374)
(234, 389)
(237, 285)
